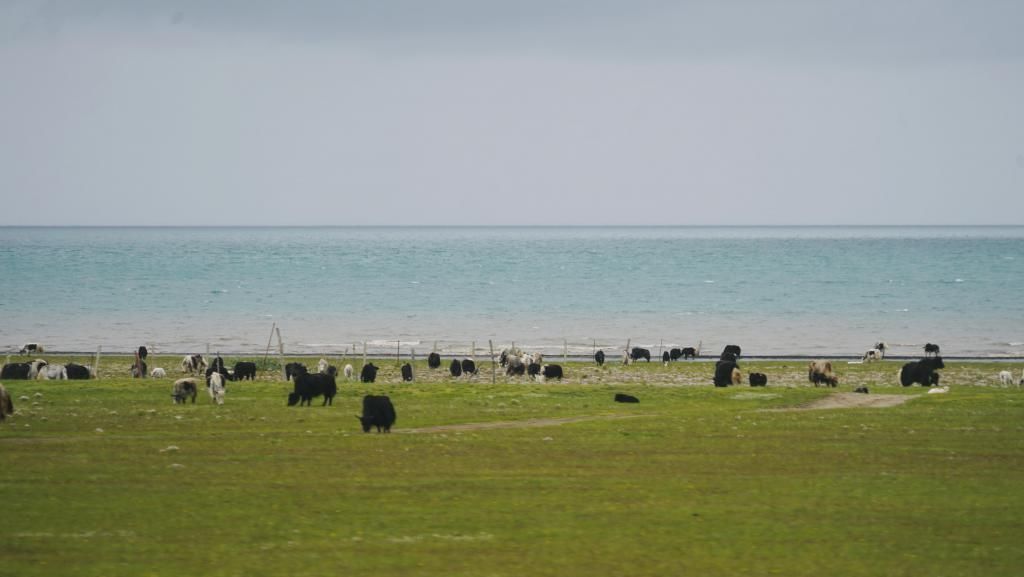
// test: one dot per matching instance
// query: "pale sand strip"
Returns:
(525, 424)
(852, 401)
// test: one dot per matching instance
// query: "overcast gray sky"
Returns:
(521, 112)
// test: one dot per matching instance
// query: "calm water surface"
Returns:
(778, 290)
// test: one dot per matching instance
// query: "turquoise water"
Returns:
(776, 290)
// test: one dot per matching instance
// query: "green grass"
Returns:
(702, 481)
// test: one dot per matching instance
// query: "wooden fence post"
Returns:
(267, 353)
(494, 370)
(96, 363)
(280, 353)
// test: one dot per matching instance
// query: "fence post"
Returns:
(280, 353)
(267, 353)
(565, 351)
(96, 363)
(494, 370)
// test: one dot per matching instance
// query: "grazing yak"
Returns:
(533, 369)
(727, 373)
(624, 398)
(551, 372)
(193, 364)
(872, 355)
(599, 358)
(6, 404)
(52, 373)
(921, 372)
(143, 352)
(309, 385)
(215, 385)
(758, 379)
(245, 370)
(407, 372)
(321, 366)
(377, 412)
(666, 357)
(34, 367)
(515, 367)
(349, 371)
(639, 353)
(218, 365)
(292, 370)
(79, 372)
(183, 389)
(15, 371)
(733, 350)
(468, 367)
(675, 354)
(217, 369)
(369, 373)
(931, 349)
(862, 390)
(434, 360)
(1005, 378)
(158, 373)
(821, 372)
(32, 348)
(689, 353)
(455, 368)
(138, 369)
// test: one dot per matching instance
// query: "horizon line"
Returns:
(222, 226)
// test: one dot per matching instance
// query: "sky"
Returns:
(527, 112)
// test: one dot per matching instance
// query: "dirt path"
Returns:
(525, 424)
(853, 401)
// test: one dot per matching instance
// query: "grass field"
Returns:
(109, 478)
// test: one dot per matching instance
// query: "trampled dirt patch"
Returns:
(853, 401)
(524, 424)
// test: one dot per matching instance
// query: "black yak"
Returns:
(377, 412)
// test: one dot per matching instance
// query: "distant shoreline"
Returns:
(611, 358)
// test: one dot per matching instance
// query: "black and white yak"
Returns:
(31, 348)
(193, 364)
(184, 389)
(216, 388)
